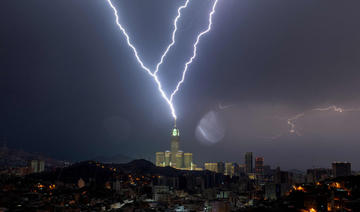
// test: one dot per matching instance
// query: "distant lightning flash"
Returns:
(337, 109)
(333, 107)
(291, 121)
(168, 100)
(224, 107)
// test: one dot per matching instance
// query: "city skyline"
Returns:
(269, 79)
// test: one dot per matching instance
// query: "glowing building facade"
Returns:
(175, 157)
(188, 158)
(37, 166)
(215, 167)
(180, 159)
(175, 136)
(232, 169)
(160, 159)
(167, 158)
(211, 167)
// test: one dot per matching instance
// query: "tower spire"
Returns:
(174, 123)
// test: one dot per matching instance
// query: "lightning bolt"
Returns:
(333, 107)
(224, 107)
(337, 109)
(291, 121)
(172, 37)
(194, 51)
(154, 74)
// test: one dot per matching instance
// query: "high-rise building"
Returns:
(232, 169)
(41, 165)
(180, 159)
(37, 166)
(317, 174)
(259, 165)
(188, 158)
(341, 169)
(211, 167)
(249, 162)
(174, 144)
(215, 167)
(221, 167)
(160, 159)
(167, 158)
(242, 168)
(175, 157)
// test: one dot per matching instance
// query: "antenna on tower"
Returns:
(174, 123)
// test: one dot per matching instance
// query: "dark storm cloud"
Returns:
(69, 84)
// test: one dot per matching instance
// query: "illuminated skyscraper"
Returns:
(167, 158)
(180, 159)
(232, 169)
(160, 159)
(175, 157)
(249, 162)
(188, 158)
(215, 167)
(211, 167)
(37, 166)
(175, 136)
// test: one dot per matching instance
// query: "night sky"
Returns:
(71, 88)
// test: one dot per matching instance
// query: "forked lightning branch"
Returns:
(153, 74)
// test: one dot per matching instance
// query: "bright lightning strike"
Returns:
(154, 74)
(172, 37)
(194, 51)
